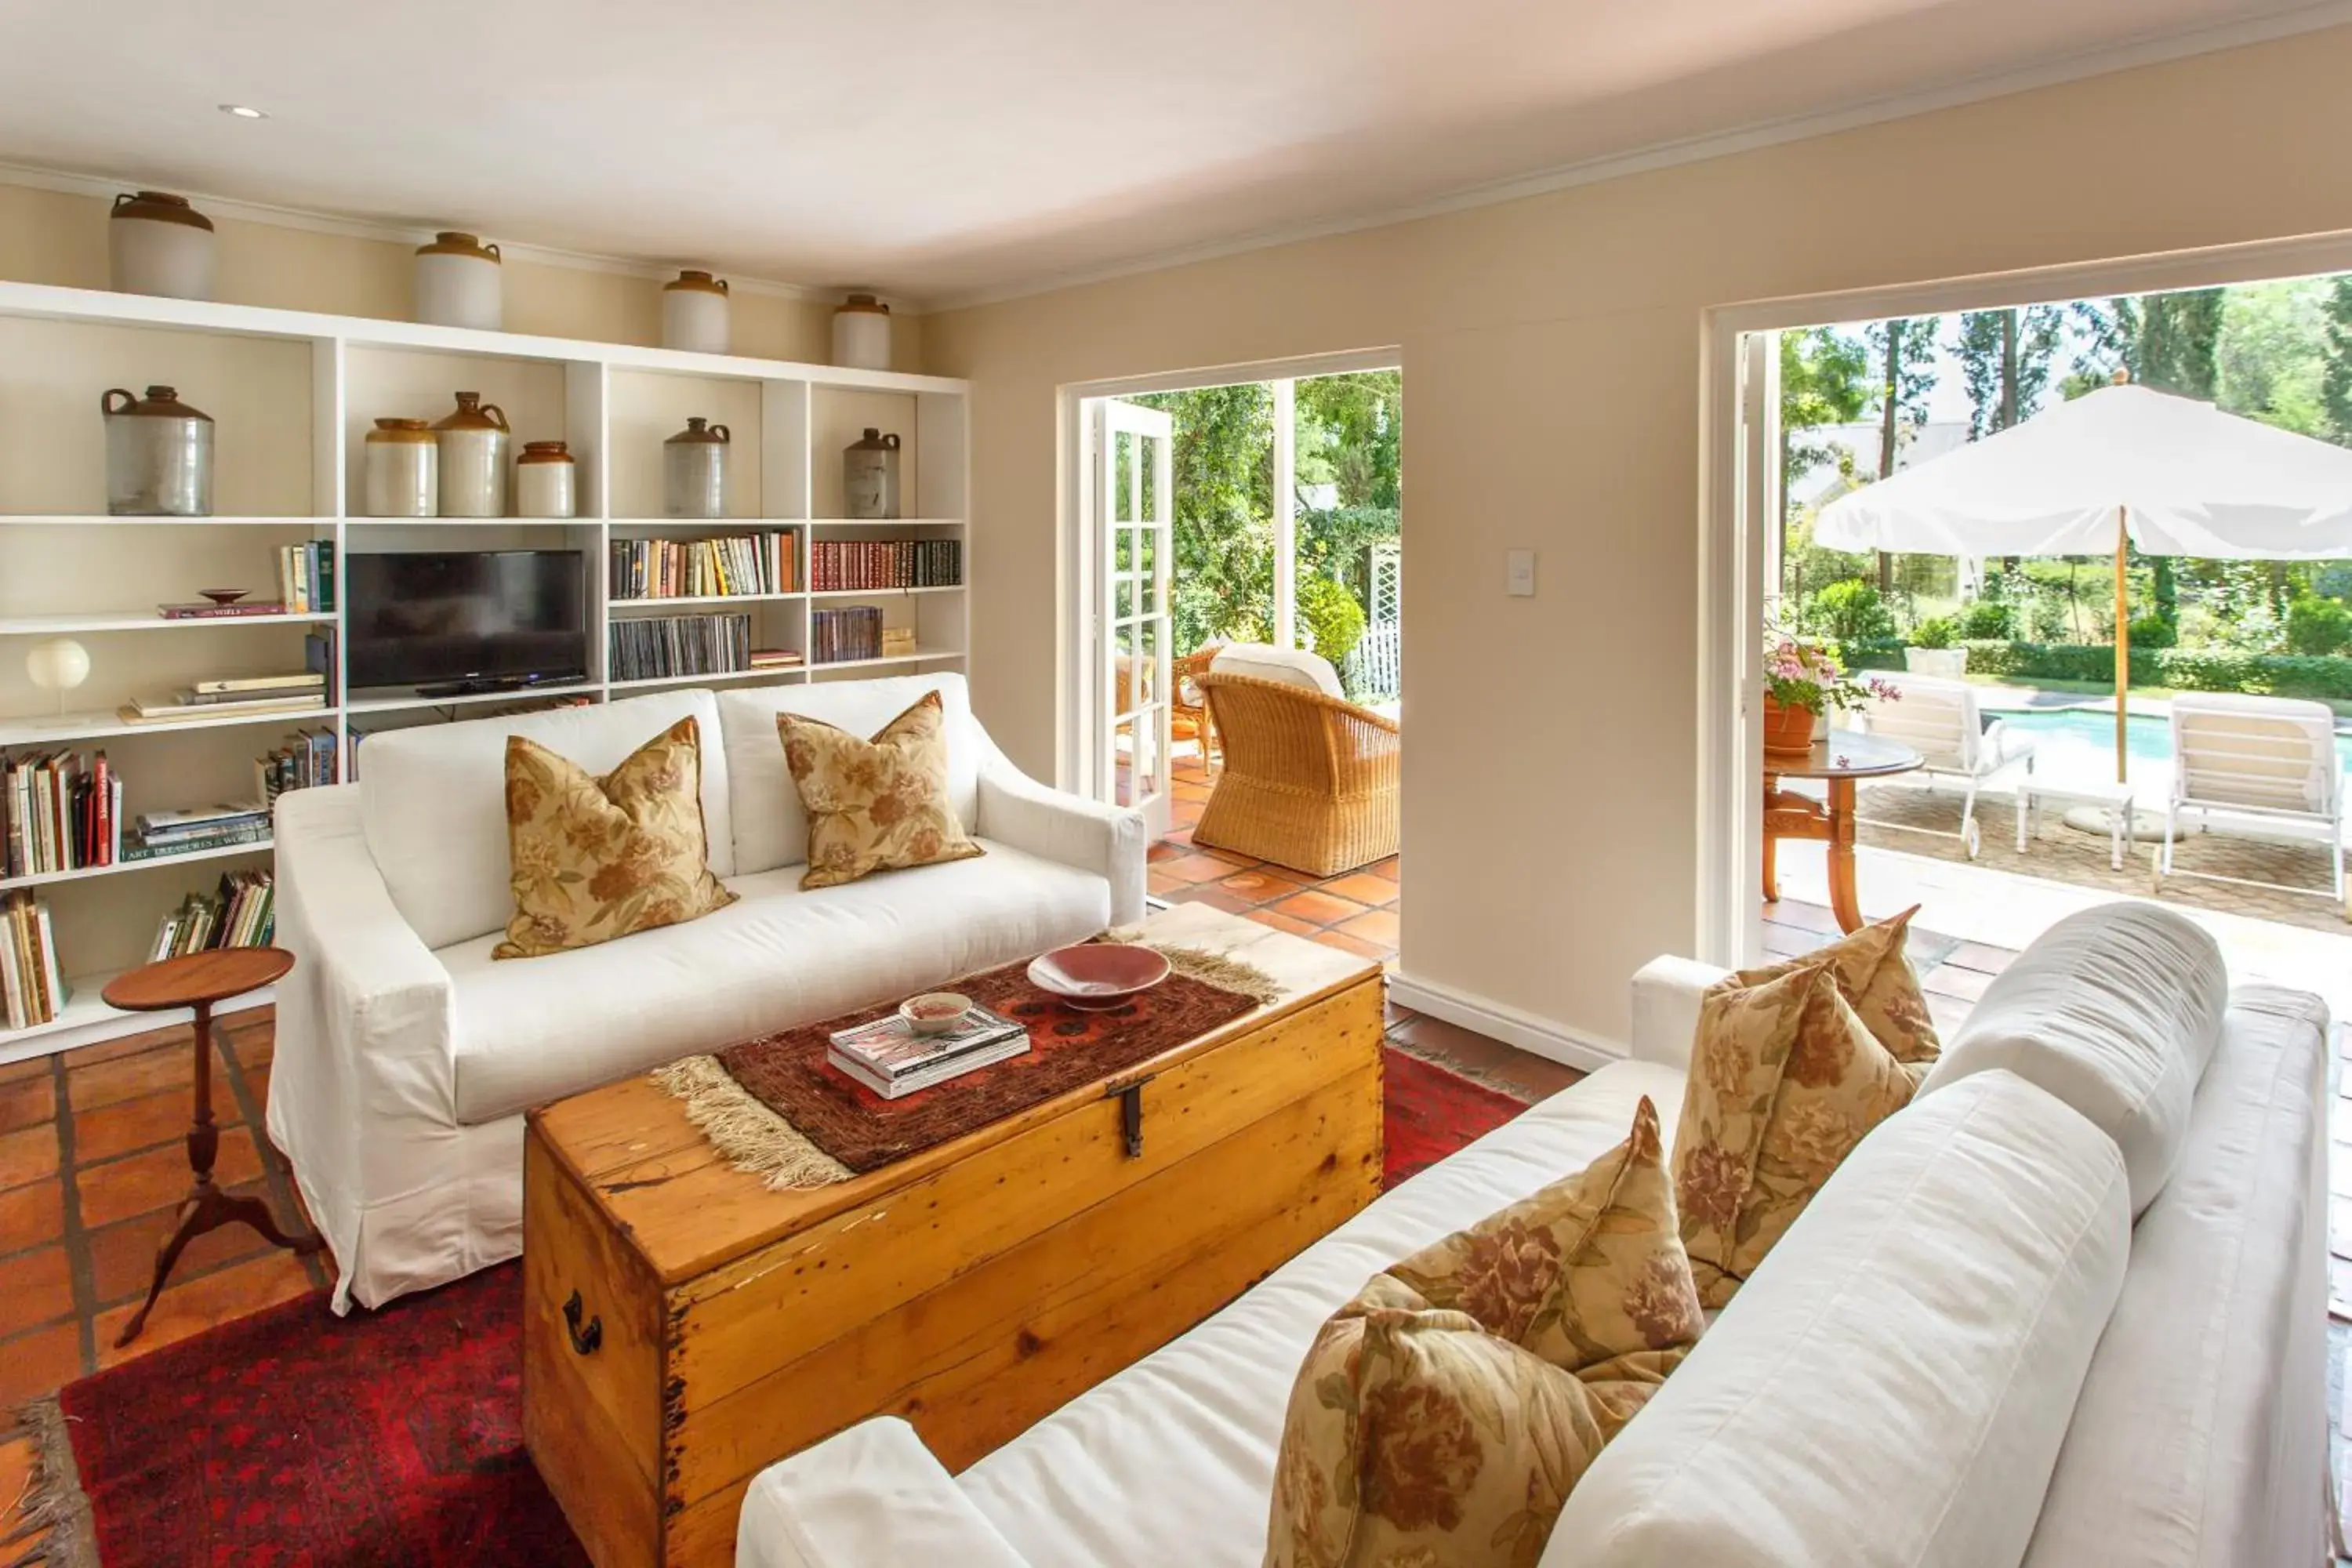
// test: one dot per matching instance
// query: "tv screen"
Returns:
(491, 617)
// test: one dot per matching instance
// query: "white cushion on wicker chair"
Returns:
(1292, 667)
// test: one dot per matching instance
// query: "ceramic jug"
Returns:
(694, 471)
(693, 313)
(473, 443)
(159, 455)
(460, 283)
(869, 476)
(158, 244)
(401, 472)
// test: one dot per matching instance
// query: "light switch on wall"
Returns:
(1519, 573)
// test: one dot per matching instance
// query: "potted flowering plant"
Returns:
(1802, 681)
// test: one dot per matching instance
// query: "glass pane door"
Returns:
(1134, 510)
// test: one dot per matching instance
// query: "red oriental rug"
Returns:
(394, 1439)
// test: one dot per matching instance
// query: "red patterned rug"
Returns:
(296, 1439)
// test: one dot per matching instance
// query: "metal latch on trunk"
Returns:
(1131, 1112)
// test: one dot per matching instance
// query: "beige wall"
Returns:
(1552, 354)
(49, 238)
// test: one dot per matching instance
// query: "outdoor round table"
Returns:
(199, 980)
(1845, 756)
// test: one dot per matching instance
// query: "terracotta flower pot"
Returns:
(1788, 731)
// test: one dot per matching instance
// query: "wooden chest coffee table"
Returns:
(683, 1327)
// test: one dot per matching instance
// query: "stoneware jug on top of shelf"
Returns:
(694, 471)
(869, 476)
(402, 474)
(158, 244)
(546, 480)
(459, 282)
(159, 455)
(861, 333)
(473, 441)
(693, 313)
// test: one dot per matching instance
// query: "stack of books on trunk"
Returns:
(59, 811)
(295, 692)
(190, 832)
(31, 988)
(887, 1056)
(241, 913)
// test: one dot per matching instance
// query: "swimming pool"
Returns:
(2145, 735)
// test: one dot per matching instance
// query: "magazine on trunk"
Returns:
(886, 1051)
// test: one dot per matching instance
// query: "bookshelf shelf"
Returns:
(706, 599)
(152, 862)
(294, 395)
(63, 625)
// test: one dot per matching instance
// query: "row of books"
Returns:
(887, 1056)
(308, 757)
(241, 912)
(306, 576)
(192, 830)
(289, 691)
(700, 568)
(837, 635)
(886, 563)
(657, 645)
(32, 988)
(62, 811)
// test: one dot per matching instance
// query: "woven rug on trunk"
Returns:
(773, 1107)
(294, 1439)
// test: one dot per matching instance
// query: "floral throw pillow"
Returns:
(594, 858)
(1876, 980)
(878, 804)
(1784, 1081)
(1442, 1415)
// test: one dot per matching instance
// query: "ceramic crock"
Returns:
(547, 480)
(459, 282)
(869, 476)
(693, 313)
(159, 455)
(861, 333)
(694, 471)
(473, 441)
(158, 244)
(401, 475)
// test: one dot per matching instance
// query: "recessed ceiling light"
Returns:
(243, 111)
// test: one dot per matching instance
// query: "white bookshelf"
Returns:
(292, 395)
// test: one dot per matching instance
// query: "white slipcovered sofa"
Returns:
(1968, 1351)
(406, 1056)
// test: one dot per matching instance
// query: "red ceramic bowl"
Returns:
(1098, 975)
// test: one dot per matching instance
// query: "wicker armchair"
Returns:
(1310, 781)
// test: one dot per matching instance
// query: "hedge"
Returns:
(2182, 670)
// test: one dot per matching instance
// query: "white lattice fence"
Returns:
(1374, 667)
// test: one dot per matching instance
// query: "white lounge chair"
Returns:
(2270, 759)
(1940, 720)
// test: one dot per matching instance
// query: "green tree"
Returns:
(1351, 432)
(2180, 339)
(1824, 380)
(1904, 352)
(1223, 468)
(2271, 361)
(2005, 358)
(2336, 377)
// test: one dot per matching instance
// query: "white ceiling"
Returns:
(943, 148)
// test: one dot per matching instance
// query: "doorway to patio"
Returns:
(1237, 636)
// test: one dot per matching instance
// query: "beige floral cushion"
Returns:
(875, 805)
(1784, 1083)
(1876, 978)
(1442, 1415)
(595, 858)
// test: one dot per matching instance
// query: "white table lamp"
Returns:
(59, 665)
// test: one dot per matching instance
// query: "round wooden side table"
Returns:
(1845, 756)
(199, 980)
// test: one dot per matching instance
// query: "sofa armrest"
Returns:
(1666, 1008)
(1107, 840)
(364, 1023)
(869, 1495)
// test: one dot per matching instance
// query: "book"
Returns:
(230, 686)
(889, 1048)
(164, 710)
(939, 1073)
(32, 984)
(206, 610)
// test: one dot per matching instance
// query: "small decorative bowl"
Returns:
(935, 1012)
(1095, 976)
(224, 596)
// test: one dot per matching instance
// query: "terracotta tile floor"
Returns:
(93, 1163)
(1355, 910)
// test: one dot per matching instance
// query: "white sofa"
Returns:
(1966, 1351)
(405, 1058)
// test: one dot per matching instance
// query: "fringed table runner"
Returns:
(773, 1108)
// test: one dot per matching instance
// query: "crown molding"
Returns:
(2078, 67)
(344, 228)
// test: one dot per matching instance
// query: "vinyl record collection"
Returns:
(657, 645)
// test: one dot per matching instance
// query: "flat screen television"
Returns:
(480, 619)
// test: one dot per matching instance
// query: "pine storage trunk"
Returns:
(685, 1327)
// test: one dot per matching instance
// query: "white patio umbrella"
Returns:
(2171, 474)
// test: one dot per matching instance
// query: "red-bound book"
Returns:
(101, 802)
(209, 611)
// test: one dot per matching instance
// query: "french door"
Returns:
(1132, 521)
